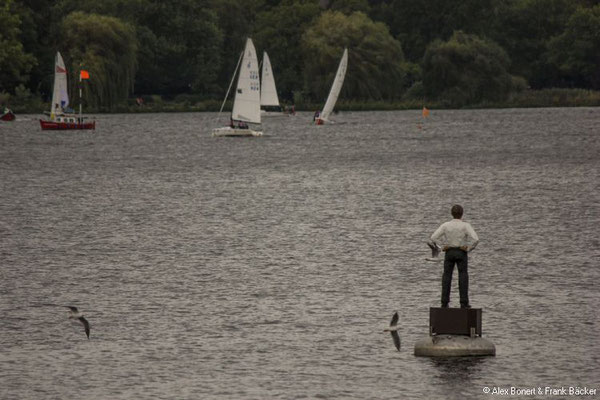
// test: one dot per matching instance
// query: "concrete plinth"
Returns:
(454, 346)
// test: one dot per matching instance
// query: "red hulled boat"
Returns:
(61, 117)
(7, 115)
(65, 123)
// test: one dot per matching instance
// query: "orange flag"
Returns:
(83, 74)
(425, 112)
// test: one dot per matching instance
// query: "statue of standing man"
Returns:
(457, 238)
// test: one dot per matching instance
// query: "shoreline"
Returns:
(432, 108)
(545, 98)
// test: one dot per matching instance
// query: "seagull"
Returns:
(75, 314)
(393, 329)
(435, 251)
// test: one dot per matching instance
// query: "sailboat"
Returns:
(61, 117)
(336, 87)
(7, 115)
(246, 103)
(269, 101)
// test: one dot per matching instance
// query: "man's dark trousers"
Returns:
(461, 259)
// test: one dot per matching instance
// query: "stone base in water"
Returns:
(454, 346)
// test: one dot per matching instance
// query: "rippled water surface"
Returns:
(267, 268)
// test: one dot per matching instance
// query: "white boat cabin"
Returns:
(69, 119)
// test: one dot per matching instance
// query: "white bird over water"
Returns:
(435, 252)
(75, 314)
(393, 329)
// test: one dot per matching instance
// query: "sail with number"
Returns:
(60, 97)
(335, 88)
(246, 103)
(268, 91)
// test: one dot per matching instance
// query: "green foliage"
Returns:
(127, 10)
(554, 97)
(466, 69)
(298, 97)
(523, 28)
(15, 63)
(25, 101)
(416, 91)
(38, 41)
(375, 59)
(235, 20)
(21, 101)
(180, 45)
(4, 99)
(518, 84)
(278, 31)
(417, 23)
(189, 48)
(106, 47)
(576, 52)
(349, 6)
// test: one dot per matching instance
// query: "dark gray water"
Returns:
(267, 268)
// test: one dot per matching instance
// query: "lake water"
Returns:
(267, 268)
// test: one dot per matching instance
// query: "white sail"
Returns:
(268, 92)
(60, 97)
(336, 87)
(246, 104)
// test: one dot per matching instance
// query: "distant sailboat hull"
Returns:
(8, 115)
(62, 126)
(235, 132)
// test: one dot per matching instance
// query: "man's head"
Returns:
(457, 211)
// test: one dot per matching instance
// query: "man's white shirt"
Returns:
(456, 233)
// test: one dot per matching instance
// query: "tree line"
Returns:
(455, 51)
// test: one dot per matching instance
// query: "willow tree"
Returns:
(279, 31)
(180, 44)
(349, 6)
(15, 63)
(376, 68)
(416, 23)
(104, 46)
(523, 29)
(466, 69)
(576, 51)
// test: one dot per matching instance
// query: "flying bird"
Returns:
(435, 252)
(75, 314)
(393, 329)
